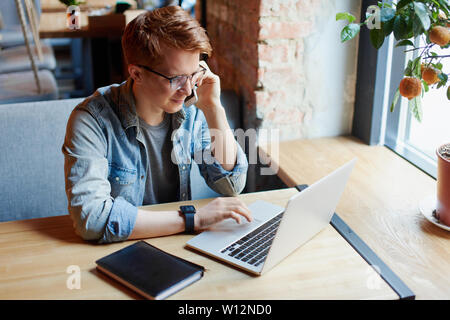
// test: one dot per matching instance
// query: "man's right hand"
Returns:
(220, 209)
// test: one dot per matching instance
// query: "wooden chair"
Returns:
(31, 85)
(16, 58)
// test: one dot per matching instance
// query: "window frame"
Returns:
(379, 73)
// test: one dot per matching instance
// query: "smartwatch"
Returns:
(188, 212)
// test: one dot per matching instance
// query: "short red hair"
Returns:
(173, 26)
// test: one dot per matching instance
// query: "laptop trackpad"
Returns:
(230, 225)
(229, 230)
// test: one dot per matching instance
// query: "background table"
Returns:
(57, 6)
(101, 51)
(53, 25)
(380, 203)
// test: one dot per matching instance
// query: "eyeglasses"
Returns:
(178, 82)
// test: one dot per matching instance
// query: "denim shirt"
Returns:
(106, 160)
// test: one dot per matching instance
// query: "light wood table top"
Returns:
(380, 203)
(57, 6)
(53, 25)
(35, 255)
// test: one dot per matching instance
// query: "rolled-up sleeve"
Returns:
(95, 214)
(227, 183)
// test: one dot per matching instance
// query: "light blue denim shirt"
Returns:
(105, 162)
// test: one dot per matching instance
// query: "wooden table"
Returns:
(57, 6)
(53, 25)
(381, 204)
(35, 255)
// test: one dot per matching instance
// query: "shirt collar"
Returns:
(127, 108)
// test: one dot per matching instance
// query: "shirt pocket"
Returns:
(122, 181)
(121, 176)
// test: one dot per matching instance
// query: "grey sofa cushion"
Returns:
(31, 161)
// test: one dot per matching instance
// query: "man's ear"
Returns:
(135, 73)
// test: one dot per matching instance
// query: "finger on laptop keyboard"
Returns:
(244, 208)
(239, 209)
(232, 215)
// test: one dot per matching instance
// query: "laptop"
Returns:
(275, 232)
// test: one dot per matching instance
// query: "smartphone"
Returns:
(189, 101)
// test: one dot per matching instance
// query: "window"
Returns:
(414, 141)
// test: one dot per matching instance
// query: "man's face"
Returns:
(156, 89)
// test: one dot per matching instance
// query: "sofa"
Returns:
(32, 164)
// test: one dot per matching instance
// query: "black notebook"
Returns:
(151, 272)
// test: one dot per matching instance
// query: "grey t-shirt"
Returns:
(162, 181)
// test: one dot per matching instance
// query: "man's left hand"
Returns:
(208, 90)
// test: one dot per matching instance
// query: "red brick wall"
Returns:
(267, 51)
(255, 50)
(233, 29)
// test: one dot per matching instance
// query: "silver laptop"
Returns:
(275, 232)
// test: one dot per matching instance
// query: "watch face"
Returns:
(188, 209)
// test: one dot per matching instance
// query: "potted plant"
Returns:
(442, 212)
(408, 20)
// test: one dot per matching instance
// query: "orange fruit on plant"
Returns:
(440, 35)
(430, 75)
(410, 87)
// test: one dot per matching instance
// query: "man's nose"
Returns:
(187, 88)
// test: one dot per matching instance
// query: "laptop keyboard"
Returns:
(253, 247)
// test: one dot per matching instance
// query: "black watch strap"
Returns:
(188, 212)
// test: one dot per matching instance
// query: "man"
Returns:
(132, 144)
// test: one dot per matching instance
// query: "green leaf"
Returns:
(443, 77)
(383, 4)
(388, 27)
(387, 14)
(448, 93)
(404, 43)
(409, 27)
(417, 67)
(425, 86)
(417, 26)
(403, 3)
(350, 31)
(394, 102)
(377, 38)
(400, 28)
(438, 66)
(345, 16)
(415, 106)
(409, 69)
(444, 6)
(422, 13)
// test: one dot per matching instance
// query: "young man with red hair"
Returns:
(132, 144)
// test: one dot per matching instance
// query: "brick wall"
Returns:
(266, 51)
(233, 29)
